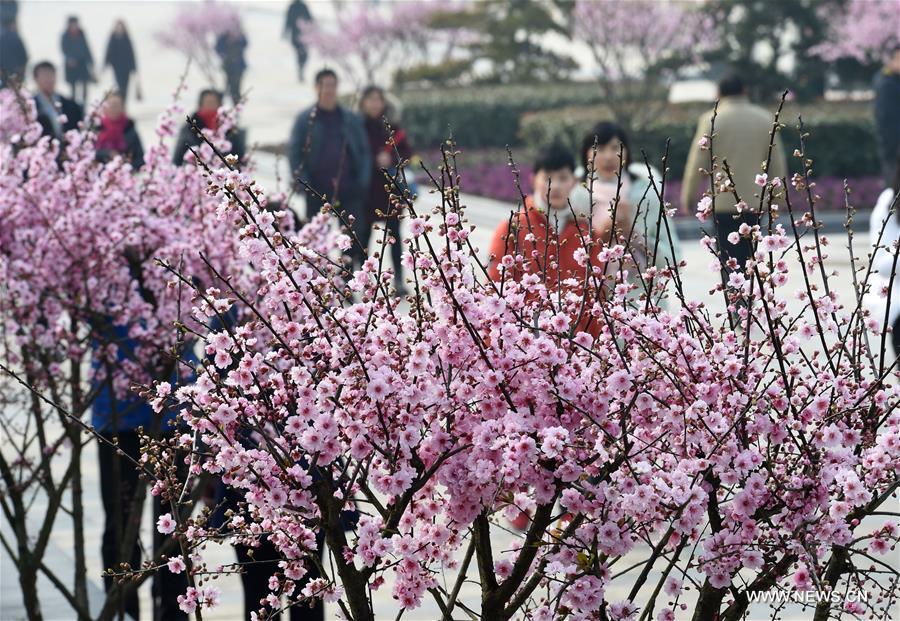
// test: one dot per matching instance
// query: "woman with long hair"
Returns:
(635, 219)
(374, 109)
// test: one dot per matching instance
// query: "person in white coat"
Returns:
(884, 232)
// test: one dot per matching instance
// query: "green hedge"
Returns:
(528, 117)
(485, 116)
(839, 147)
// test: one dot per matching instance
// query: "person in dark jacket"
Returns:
(230, 47)
(117, 134)
(79, 60)
(329, 151)
(13, 56)
(207, 117)
(120, 56)
(373, 106)
(887, 113)
(118, 420)
(9, 10)
(297, 12)
(55, 113)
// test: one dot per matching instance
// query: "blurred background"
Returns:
(513, 72)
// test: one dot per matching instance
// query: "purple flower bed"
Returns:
(493, 178)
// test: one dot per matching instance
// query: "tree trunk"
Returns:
(81, 595)
(28, 583)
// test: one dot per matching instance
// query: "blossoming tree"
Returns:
(84, 309)
(863, 30)
(673, 461)
(193, 33)
(637, 45)
(367, 40)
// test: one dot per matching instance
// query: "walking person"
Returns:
(742, 138)
(13, 55)
(117, 134)
(297, 13)
(887, 112)
(884, 232)
(55, 113)
(379, 208)
(120, 56)
(230, 47)
(636, 218)
(78, 58)
(329, 151)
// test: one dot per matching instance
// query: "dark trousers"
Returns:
(118, 483)
(233, 85)
(895, 337)
(74, 86)
(727, 223)
(122, 80)
(392, 223)
(361, 227)
(302, 55)
(256, 572)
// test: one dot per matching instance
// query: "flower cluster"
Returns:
(731, 453)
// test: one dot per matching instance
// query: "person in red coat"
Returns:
(551, 234)
(373, 106)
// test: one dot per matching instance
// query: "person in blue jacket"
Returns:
(119, 420)
(329, 151)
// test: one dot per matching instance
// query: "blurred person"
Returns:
(887, 112)
(373, 107)
(884, 232)
(120, 56)
(297, 12)
(117, 134)
(119, 420)
(636, 217)
(230, 47)
(207, 117)
(55, 113)
(329, 151)
(9, 10)
(13, 55)
(605, 151)
(742, 139)
(78, 58)
(554, 212)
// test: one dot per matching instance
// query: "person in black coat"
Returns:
(230, 47)
(13, 56)
(297, 12)
(887, 113)
(117, 134)
(78, 57)
(207, 117)
(55, 113)
(120, 56)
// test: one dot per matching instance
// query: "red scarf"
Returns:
(210, 118)
(112, 134)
